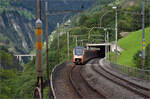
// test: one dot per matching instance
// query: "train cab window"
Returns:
(78, 51)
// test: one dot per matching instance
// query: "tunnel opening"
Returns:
(102, 51)
(101, 48)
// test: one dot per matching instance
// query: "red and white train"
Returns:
(81, 55)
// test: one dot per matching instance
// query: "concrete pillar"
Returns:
(87, 47)
(20, 58)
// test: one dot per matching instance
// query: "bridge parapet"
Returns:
(19, 57)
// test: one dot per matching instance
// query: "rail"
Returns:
(131, 71)
(73, 84)
(58, 67)
(77, 80)
(134, 87)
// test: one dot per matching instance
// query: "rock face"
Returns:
(16, 30)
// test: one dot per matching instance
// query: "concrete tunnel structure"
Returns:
(100, 47)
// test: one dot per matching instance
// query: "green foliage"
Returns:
(126, 22)
(137, 59)
(27, 80)
(83, 19)
(8, 74)
(6, 59)
(25, 13)
(88, 20)
(147, 60)
(79, 30)
(98, 5)
(3, 38)
(8, 83)
(129, 18)
(131, 45)
(46, 93)
(4, 5)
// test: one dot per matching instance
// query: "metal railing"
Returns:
(132, 71)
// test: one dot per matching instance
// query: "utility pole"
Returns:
(39, 46)
(81, 42)
(143, 35)
(116, 36)
(39, 9)
(46, 9)
(67, 32)
(47, 60)
(116, 33)
(76, 41)
(58, 42)
(38, 92)
(105, 43)
(68, 43)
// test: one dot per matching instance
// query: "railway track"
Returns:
(60, 82)
(137, 89)
(81, 85)
(68, 83)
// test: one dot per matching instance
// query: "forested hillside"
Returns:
(16, 27)
(17, 21)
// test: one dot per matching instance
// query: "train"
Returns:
(82, 55)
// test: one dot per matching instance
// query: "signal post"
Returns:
(39, 45)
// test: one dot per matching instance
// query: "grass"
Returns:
(131, 44)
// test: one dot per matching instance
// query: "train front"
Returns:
(78, 55)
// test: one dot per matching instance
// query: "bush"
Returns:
(137, 59)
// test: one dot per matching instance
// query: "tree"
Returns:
(138, 58)
(147, 60)
(8, 83)
(83, 19)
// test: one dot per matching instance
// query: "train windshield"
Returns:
(78, 51)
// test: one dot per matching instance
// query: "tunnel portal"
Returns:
(104, 47)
